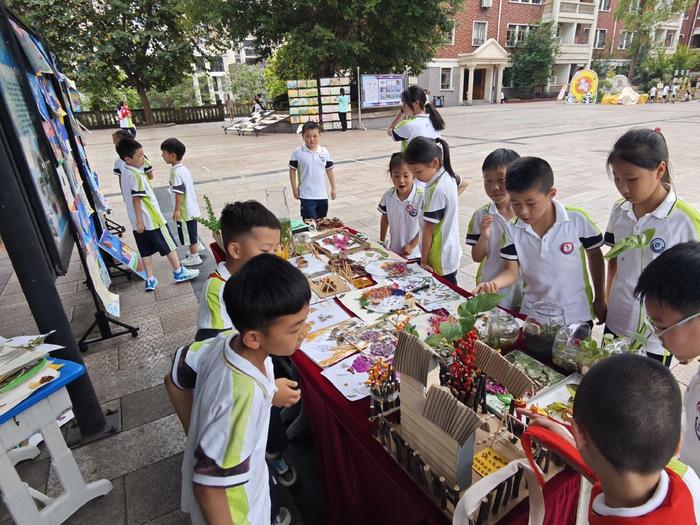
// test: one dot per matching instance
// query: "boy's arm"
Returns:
(138, 212)
(596, 265)
(179, 197)
(506, 278)
(182, 401)
(411, 245)
(331, 178)
(293, 182)
(179, 384)
(383, 227)
(214, 504)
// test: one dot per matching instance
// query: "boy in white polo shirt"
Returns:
(185, 205)
(224, 474)
(151, 232)
(546, 246)
(670, 289)
(308, 167)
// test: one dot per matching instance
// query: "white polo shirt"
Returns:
(181, 182)
(140, 187)
(493, 264)
(311, 169)
(228, 428)
(404, 218)
(416, 126)
(212, 309)
(674, 221)
(553, 267)
(441, 209)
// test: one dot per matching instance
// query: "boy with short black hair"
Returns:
(545, 246)
(627, 426)
(670, 289)
(247, 229)
(184, 198)
(225, 478)
(307, 167)
(490, 222)
(151, 232)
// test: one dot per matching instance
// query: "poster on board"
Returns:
(382, 90)
(118, 249)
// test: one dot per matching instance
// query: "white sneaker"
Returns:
(191, 260)
(201, 247)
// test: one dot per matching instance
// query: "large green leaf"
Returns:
(435, 341)
(479, 304)
(633, 242)
(450, 331)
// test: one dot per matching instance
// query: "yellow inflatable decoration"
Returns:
(584, 87)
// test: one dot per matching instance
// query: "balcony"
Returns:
(568, 11)
(573, 53)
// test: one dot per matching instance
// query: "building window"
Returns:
(515, 33)
(625, 39)
(599, 38)
(216, 64)
(479, 32)
(445, 78)
(668, 41)
(680, 39)
(526, 1)
(450, 37)
(604, 5)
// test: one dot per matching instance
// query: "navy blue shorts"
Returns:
(314, 208)
(187, 232)
(155, 241)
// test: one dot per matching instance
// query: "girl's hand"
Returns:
(295, 193)
(332, 194)
(600, 309)
(486, 287)
(427, 267)
(485, 226)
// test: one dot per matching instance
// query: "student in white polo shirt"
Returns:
(416, 118)
(649, 220)
(489, 223)
(308, 168)
(441, 249)
(546, 244)
(224, 475)
(400, 208)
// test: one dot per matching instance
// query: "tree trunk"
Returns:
(633, 64)
(147, 113)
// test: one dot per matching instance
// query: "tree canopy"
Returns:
(641, 18)
(534, 56)
(145, 44)
(323, 37)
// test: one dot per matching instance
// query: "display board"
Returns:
(330, 91)
(583, 87)
(43, 190)
(382, 90)
(303, 101)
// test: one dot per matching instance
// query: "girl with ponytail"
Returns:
(417, 118)
(429, 161)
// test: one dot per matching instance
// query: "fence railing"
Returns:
(184, 115)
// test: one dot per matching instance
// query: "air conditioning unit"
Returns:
(486, 3)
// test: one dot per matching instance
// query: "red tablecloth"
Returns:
(363, 484)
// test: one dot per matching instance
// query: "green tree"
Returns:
(145, 44)
(324, 37)
(275, 85)
(641, 17)
(534, 56)
(247, 80)
(181, 94)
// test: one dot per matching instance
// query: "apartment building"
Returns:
(690, 28)
(472, 64)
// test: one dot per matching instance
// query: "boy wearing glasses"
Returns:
(670, 289)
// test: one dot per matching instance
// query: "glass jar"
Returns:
(566, 353)
(277, 201)
(501, 331)
(541, 328)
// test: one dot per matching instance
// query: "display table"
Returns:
(362, 482)
(38, 413)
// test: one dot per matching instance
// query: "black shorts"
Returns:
(187, 232)
(155, 241)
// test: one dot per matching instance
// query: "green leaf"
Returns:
(410, 329)
(435, 341)
(479, 304)
(634, 241)
(466, 323)
(450, 331)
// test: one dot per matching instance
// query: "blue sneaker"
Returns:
(151, 284)
(185, 274)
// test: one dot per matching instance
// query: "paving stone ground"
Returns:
(143, 459)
